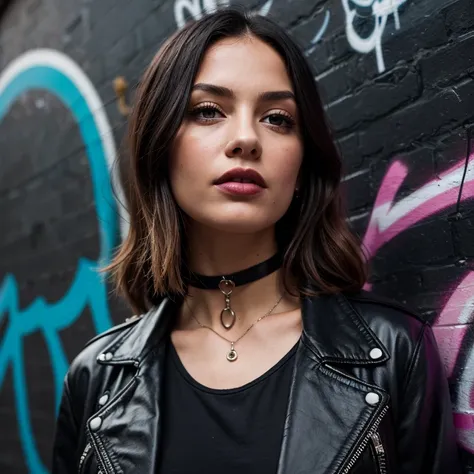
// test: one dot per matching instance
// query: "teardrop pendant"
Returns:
(232, 354)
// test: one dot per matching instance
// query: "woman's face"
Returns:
(242, 118)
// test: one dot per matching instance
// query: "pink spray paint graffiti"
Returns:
(389, 219)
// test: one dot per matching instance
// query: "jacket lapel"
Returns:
(129, 435)
(327, 414)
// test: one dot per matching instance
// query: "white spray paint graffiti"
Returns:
(183, 9)
(198, 8)
(317, 37)
(380, 10)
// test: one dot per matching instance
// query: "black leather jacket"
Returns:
(368, 396)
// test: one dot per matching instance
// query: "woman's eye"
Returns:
(206, 113)
(280, 120)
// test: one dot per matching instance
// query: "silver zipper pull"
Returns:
(379, 452)
(379, 449)
(364, 442)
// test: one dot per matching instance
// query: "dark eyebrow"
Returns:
(273, 96)
(270, 96)
(215, 90)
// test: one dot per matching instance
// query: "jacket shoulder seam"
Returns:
(128, 323)
(415, 356)
(388, 304)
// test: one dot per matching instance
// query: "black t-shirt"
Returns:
(229, 431)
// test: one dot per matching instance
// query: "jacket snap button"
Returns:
(375, 353)
(108, 356)
(95, 423)
(372, 398)
(101, 357)
(103, 400)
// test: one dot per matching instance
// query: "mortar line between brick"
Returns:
(354, 175)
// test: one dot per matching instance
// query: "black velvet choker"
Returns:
(242, 277)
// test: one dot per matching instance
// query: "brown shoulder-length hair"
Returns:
(321, 255)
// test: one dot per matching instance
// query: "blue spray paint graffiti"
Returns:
(52, 71)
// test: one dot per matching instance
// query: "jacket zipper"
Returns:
(102, 460)
(365, 441)
(379, 451)
(82, 461)
(85, 454)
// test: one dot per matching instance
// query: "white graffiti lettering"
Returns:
(196, 9)
(380, 10)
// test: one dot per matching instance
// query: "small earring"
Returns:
(297, 190)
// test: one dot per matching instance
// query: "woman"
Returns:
(256, 351)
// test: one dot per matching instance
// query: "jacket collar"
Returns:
(133, 346)
(337, 333)
(333, 329)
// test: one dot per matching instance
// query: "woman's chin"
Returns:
(236, 225)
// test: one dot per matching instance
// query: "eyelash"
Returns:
(290, 123)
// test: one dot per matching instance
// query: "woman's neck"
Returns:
(215, 254)
(218, 253)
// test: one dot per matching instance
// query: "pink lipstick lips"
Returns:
(241, 181)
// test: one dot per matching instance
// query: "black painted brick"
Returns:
(424, 118)
(402, 286)
(347, 76)
(304, 32)
(358, 191)
(459, 16)
(337, 81)
(421, 169)
(121, 54)
(450, 62)
(413, 38)
(340, 48)
(451, 150)
(349, 149)
(290, 12)
(398, 87)
(463, 235)
(152, 31)
(425, 244)
(118, 23)
(318, 58)
(436, 276)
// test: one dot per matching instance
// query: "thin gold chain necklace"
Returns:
(232, 354)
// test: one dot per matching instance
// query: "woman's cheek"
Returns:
(289, 167)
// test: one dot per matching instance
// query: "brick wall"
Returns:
(399, 90)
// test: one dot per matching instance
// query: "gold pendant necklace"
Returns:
(232, 354)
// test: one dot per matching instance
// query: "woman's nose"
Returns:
(246, 146)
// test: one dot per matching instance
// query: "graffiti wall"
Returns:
(398, 80)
